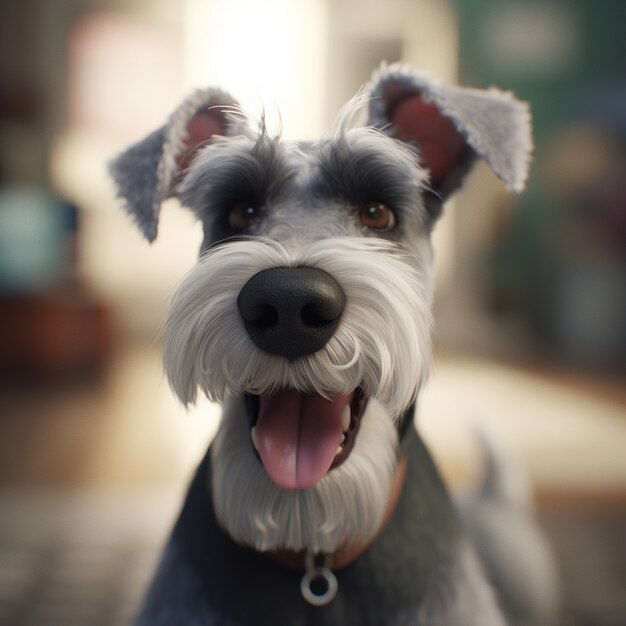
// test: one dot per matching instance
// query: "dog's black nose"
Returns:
(291, 311)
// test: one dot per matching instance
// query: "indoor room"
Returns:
(529, 298)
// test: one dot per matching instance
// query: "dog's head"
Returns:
(310, 307)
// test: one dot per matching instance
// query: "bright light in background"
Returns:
(270, 53)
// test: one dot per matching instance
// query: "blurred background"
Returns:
(95, 453)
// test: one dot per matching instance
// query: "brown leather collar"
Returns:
(348, 553)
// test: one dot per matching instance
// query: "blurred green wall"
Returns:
(558, 55)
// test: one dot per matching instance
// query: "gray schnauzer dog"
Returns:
(308, 316)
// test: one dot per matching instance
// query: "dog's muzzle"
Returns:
(291, 312)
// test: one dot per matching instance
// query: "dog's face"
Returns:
(309, 311)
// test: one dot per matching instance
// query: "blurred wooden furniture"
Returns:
(53, 334)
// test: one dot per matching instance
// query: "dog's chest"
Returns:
(227, 584)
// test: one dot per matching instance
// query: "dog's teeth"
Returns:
(254, 439)
(345, 418)
(339, 450)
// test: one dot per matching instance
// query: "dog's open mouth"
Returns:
(300, 437)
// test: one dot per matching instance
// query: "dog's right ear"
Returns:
(148, 172)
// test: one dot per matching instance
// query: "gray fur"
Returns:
(515, 554)
(146, 173)
(461, 595)
(186, 592)
(135, 172)
(307, 200)
(496, 125)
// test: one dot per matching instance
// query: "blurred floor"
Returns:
(91, 476)
(78, 558)
(92, 473)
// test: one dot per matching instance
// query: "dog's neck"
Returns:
(343, 556)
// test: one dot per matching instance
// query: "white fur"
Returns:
(346, 505)
(382, 341)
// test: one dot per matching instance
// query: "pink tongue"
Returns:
(298, 435)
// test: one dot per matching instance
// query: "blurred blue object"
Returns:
(605, 106)
(35, 239)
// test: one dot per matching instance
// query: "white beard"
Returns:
(346, 506)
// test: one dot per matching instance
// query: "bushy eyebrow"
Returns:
(369, 167)
(232, 171)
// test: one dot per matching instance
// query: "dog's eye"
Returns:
(377, 215)
(242, 215)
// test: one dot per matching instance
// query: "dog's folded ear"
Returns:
(148, 172)
(451, 126)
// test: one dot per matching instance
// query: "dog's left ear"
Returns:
(149, 171)
(452, 126)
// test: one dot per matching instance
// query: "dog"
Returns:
(309, 318)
